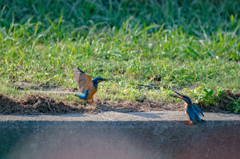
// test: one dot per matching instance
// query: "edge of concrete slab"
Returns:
(107, 135)
(111, 119)
(118, 116)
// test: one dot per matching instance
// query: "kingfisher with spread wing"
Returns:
(191, 110)
(86, 85)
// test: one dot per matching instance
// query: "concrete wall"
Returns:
(152, 135)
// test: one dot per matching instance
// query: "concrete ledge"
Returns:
(108, 135)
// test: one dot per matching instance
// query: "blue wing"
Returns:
(197, 109)
(84, 81)
(85, 84)
(191, 113)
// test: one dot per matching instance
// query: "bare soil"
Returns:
(37, 104)
(42, 104)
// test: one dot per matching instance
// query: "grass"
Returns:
(161, 44)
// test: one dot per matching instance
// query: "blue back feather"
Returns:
(193, 112)
(197, 109)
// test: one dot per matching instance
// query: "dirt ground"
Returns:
(42, 104)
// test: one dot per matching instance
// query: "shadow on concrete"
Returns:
(119, 139)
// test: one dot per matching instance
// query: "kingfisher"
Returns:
(191, 110)
(86, 85)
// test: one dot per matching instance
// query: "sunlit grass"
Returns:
(170, 46)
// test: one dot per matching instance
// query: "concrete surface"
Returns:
(114, 135)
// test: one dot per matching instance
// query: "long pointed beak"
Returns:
(175, 96)
(104, 79)
(179, 95)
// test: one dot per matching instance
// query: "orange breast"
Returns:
(90, 95)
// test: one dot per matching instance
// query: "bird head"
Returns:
(183, 97)
(99, 79)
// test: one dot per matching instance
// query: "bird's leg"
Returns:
(190, 123)
(92, 101)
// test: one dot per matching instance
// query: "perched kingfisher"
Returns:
(191, 110)
(86, 85)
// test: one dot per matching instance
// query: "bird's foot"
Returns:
(92, 101)
(190, 123)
